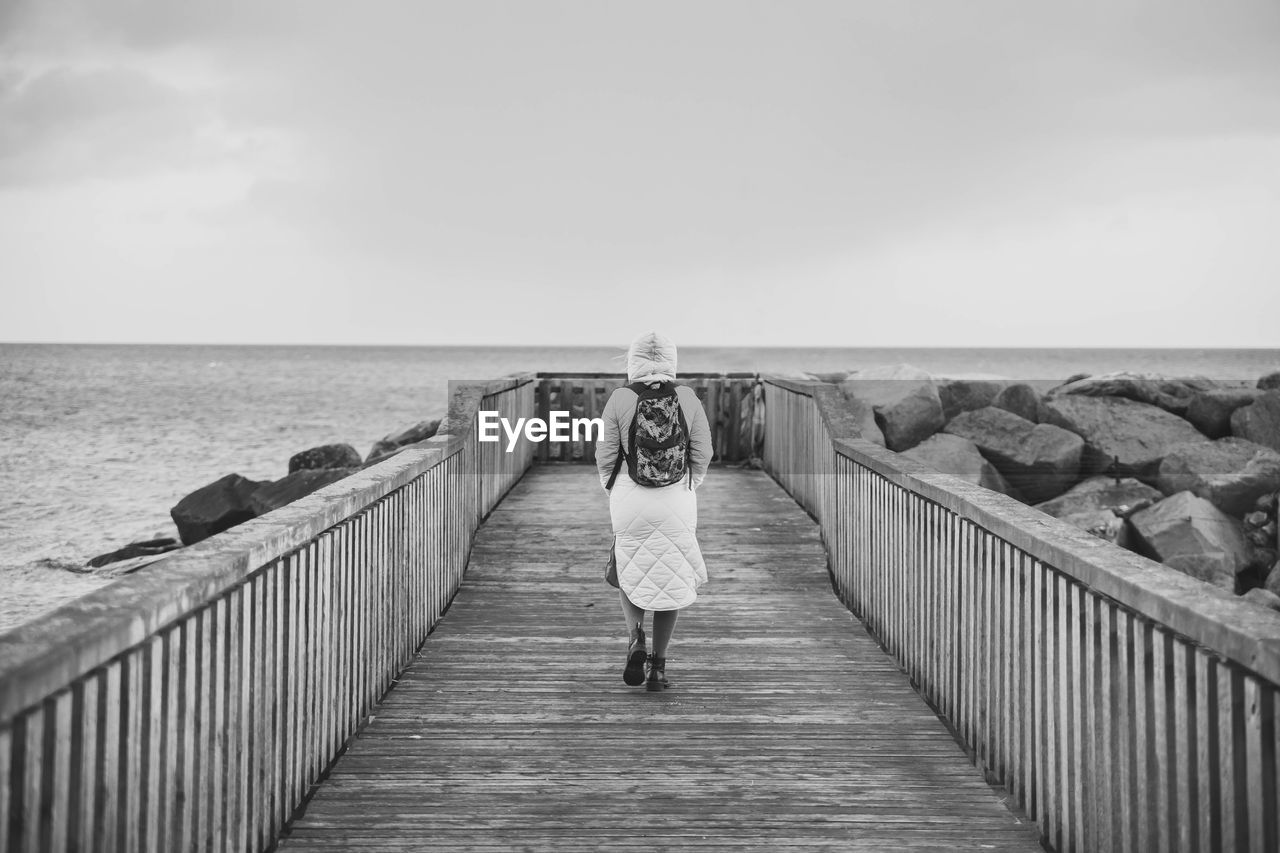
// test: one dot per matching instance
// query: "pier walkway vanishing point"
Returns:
(886, 657)
(788, 728)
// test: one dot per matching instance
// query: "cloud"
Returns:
(571, 148)
(143, 25)
(617, 127)
(67, 125)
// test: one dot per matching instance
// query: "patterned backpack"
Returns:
(659, 437)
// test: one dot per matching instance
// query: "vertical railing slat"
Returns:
(106, 822)
(1077, 749)
(1206, 712)
(7, 844)
(1127, 724)
(233, 723)
(1184, 769)
(85, 791)
(62, 737)
(1258, 799)
(1092, 805)
(133, 748)
(30, 742)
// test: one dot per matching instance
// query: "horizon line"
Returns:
(615, 345)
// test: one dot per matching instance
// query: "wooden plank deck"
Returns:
(787, 729)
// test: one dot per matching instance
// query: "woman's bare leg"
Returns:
(664, 623)
(634, 615)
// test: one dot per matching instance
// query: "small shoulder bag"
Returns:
(611, 566)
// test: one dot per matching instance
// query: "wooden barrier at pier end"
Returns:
(191, 706)
(733, 402)
(1122, 705)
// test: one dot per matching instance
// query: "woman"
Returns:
(655, 526)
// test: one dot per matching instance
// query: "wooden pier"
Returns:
(421, 657)
(788, 727)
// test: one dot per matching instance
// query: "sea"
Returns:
(99, 441)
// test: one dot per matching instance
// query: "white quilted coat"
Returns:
(660, 566)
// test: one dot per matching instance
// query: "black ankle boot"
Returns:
(657, 674)
(633, 675)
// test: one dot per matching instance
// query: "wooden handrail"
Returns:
(587, 374)
(191, 705)
(1123, 705)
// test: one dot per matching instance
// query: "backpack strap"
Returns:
(617, 466)
(688, 441)
(631, 433)
(636, 387)
(640, 389)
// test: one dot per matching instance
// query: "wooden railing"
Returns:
(1122, 705)
(191, 706)
(732, 401)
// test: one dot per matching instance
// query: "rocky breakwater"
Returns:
(1185, 471)
(234, 499)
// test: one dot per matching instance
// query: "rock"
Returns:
(282, 492)
(959, 457)
(1102, 523)
(391, 444)
(905, 401)
(1265, 597)
(325, 456)
(1260, 529)
(1121, 498)
(1191, 535)
(1262, 559)
(864, 416)
(146, 548)
(214, 508)
(1259, 421)
(1021, 399)
(1040, 461)
(895, 372)
(129, 566)
(1231, 473)
(1270, 382)
(1137, 436)
(1168, 393)
(1264, 536)
(1273, 579)
(966, 395)
(910, 418)
(1210, 411)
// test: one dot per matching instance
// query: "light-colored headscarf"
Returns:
(651, 358)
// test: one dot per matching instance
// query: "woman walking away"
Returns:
(659, 433)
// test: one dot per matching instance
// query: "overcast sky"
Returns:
(976, 173)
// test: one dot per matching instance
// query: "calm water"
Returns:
(101, 440)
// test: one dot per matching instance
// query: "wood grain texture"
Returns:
(788, 727)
